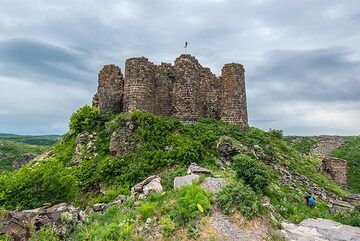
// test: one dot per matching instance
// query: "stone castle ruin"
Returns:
(185, 90)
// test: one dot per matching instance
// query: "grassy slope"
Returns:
(189, 143)
(350, 151)
(11, 149)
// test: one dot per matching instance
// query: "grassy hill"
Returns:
(13, 146)
(80, 169)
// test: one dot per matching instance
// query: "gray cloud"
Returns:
(317, 74)
(301, 57)
(41, 61)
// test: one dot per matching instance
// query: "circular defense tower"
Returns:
(232, 95)
(139, 85)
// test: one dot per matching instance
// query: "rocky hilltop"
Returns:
(185, 90)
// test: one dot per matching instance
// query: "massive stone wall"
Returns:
(233, 107)
(109, 96)
(337, 168)
(185, 90)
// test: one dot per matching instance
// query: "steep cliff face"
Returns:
(186, 90)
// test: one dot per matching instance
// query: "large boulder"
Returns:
(18, 224)
(320, 230)
(121, 141)
(23, 159)
(144, 188)
(212, 184)
(185, 180)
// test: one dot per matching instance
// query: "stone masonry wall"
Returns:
(164, 82)
(233, 107)
(110, 91)
(139, 85)
(185, 90)
(337, 168)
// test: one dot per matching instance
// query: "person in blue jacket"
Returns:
(312, 201)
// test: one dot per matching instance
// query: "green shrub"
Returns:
(254, 173)
(191, 202)
(236, 196)
(147, 210)
(31, 187)
(44, 234)
(167, 225)
(86, 118)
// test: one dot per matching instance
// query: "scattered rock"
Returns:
(23, 159)
(120, 141)
(120, 199)
(18, 224)
(99, 207)
(228, 147)
(353, 199)
(340, 206)
(212, 184)
(85, 148)
(196, 169)
(320, 230)
(185, 180)
(144, 188)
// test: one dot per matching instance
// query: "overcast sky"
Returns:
(302, 58)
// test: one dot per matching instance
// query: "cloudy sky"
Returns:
(302, 58)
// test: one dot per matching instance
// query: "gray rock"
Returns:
(196, 169)
(120, 199)
(99, 207)
(320, 230)
(18, 224)
(185, 180)
(212, 184)
(23, 159)
(144, 188)
(120, 141)
(85, 148)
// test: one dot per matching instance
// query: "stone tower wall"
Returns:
(232, 96)
(185, 90)
(109, 96)
(164, 82)
(209, 94)
(139, 85)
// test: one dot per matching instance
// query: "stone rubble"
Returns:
(23, 159)
(18, 224)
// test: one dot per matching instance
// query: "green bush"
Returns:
(86, 118)
(236, 196)
(254, 173)
(191, 202)
(31, 187)
(167, 225)
(44, 234)
(147, 210)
